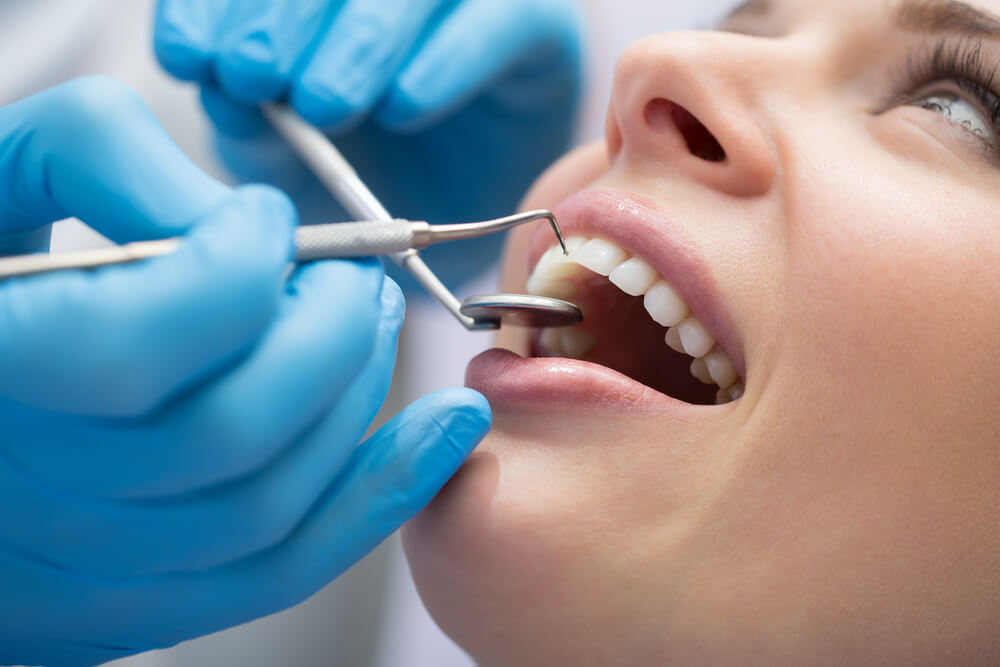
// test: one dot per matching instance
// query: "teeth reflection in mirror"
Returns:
(722, 397)
(673, 340)
(697, 341)
(599, 256)
(664, 305)
(634, 276)
(720, 368)
(551, 342)
(736, 391)
(576, 342)
(700, 371)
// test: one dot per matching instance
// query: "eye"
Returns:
(962, 112)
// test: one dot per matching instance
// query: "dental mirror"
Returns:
(521, 310)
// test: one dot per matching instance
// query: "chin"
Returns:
(496, 566)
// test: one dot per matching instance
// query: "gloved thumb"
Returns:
(409, 459)
(386, 482)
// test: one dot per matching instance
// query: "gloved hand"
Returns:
(179, 437)
(447, 108)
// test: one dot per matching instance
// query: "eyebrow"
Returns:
(946, 16)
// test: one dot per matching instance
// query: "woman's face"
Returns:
(819, 188)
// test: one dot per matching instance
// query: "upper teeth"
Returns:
(635, 277)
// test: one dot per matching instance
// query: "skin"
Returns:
(847, 509)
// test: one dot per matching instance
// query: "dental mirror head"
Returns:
(521, 310)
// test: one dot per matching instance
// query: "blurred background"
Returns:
(371, 616)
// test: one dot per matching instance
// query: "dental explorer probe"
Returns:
(475, 313)
(338, 240)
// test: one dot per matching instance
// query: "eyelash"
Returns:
(961, 63)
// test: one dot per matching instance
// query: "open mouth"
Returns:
(636, 321)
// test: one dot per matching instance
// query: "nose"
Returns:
(687, 103)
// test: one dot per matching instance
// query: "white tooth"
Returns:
(697, 341)
(557, 288)
(736, 391)
(553, 268)
(576, 342)
(664, 304)
(572, 243)
(634, 276)
(551, 341)
(723, 397)
(720, 368)
(599, 256)
(674, 341)
(554, 264)
(700, 371)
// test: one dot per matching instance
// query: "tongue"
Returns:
(630, 342)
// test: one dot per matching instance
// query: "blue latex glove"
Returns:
(447, 108)
(179, 438)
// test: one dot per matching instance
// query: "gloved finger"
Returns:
(235, 119)
(251, 148)
(386, 481)
(254, 152)
(91, 148)
(337, 328)
(184, 36)
(260, 42)
(225, 523)
(479, 41)
(25, 241)
(356, 58)
(121, 340)
(44, 650)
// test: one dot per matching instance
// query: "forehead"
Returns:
(943, 11)
(872, 18)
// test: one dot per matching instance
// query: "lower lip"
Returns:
(508, 379)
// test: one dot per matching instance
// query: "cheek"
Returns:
(889, 282)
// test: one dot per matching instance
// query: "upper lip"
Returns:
(642, 228)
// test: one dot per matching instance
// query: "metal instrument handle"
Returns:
(352, 239)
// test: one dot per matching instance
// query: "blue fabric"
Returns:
(179, 437)
(448, 108)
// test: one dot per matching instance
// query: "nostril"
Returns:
(661, 114)
(699, 139)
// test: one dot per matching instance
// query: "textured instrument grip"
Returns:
(352, 239)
